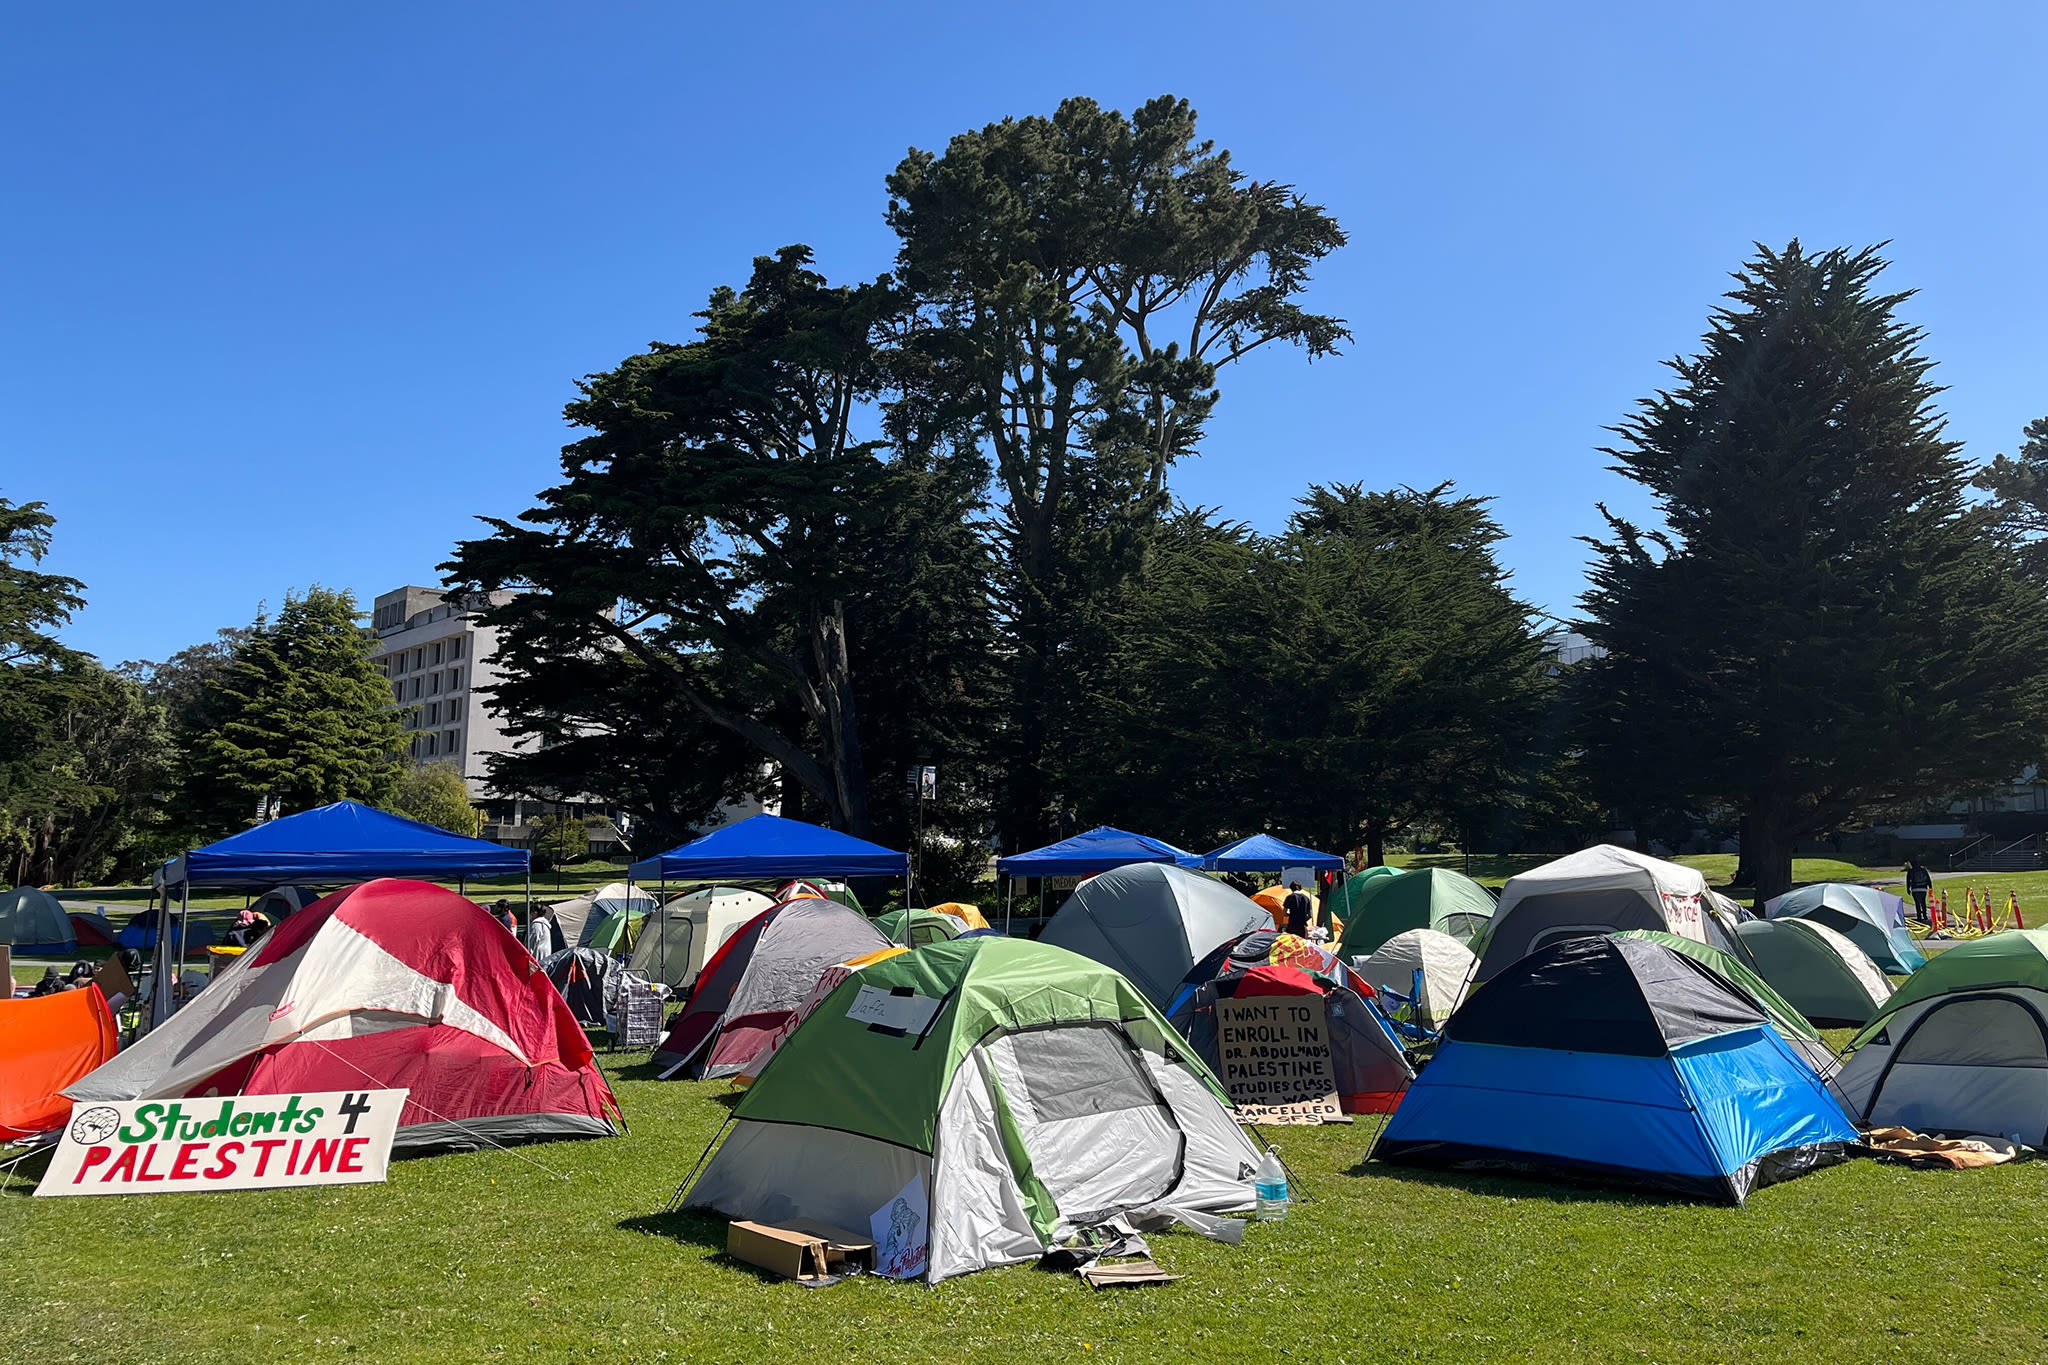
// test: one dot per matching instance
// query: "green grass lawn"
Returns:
(487, 1257)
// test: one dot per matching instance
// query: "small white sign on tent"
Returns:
(241, 1142)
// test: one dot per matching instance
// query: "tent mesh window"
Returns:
(1983, 1032)
(1071, 1072)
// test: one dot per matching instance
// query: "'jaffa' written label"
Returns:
(238, 1142)
(1275, 1052)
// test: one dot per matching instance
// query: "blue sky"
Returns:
(293, 293)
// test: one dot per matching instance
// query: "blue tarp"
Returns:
(1099, 850)
(344, 842)
(1264, 853)
(762, 846)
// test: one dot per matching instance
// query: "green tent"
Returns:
(614, 934)
(1427, 898)
(926, 926)
(973, 1104)
(1826, 977)
(1345, 898)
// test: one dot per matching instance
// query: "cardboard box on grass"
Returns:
(800, 1250)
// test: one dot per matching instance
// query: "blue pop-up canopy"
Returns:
(1099, 850)
(769, 846)
(344, 842)
(1264, 853)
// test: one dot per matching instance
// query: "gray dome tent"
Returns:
(1153, 922)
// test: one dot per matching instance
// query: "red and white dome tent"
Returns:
(386, 984)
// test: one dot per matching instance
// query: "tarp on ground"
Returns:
(1038, 1092)
(342, 842)
(46, 1044)
(763, 847)
(1425, 898)
(390, 984)
(34, 923)
(1101, 849)
(1264, 853)
(1153, 922)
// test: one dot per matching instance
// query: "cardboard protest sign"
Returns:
(1275, 1052)
(241, 1142)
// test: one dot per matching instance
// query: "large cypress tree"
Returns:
(1823, 623)
(300, 715)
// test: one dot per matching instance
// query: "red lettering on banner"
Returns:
(351, 1162)
(265, 1146)
(93, 1157)
(224, 1161)
(148, 1156)
(320, 1157)
(291, 1161)
(124, 1165)
(181, 1169)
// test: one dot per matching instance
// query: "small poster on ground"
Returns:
(902, 1232)
(240, 1142)
(1275, 1052)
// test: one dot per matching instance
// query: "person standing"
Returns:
(502, 913)
(1919, 881)
(540, 932)
(1298, 907)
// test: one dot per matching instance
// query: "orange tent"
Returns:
(959, 910)
(46, 1044)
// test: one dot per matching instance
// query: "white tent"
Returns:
(1446, 965)
(679, 938)
(1153, 922)
(1599, 890)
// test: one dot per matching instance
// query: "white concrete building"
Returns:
(437, 655)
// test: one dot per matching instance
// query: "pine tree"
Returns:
(1822, 624)
(302, 717)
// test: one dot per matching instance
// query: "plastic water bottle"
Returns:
(1269, 1187)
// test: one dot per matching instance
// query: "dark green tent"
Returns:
(1427, 898)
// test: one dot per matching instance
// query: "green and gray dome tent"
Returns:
(1427, 898)
(1963, 1045)
(926, 926)
(974, 1102)
(1825, 977)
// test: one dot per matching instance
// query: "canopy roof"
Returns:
(1099, 850)
(1264, 853)
(344, 842)
(769, 846)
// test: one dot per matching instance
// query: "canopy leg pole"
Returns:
(156, 961)
(184, 934)
(661, 909)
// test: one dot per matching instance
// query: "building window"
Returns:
(430, 744)
(398, 691)
(433, 712)
(436, 657)
(419, 658)
(454, 680)
(433, 684)
(415, 689)
(449, 744)
(455, 648)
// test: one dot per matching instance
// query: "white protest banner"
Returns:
(1275, 1052)
(240, 1142)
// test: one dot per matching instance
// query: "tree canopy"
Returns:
(1823, 623)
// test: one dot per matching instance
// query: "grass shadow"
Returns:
(1513, 1185)
(696, 1228)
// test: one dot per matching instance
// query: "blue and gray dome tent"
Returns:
(1620, 1062)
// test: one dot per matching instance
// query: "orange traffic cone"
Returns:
(2013, 903)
